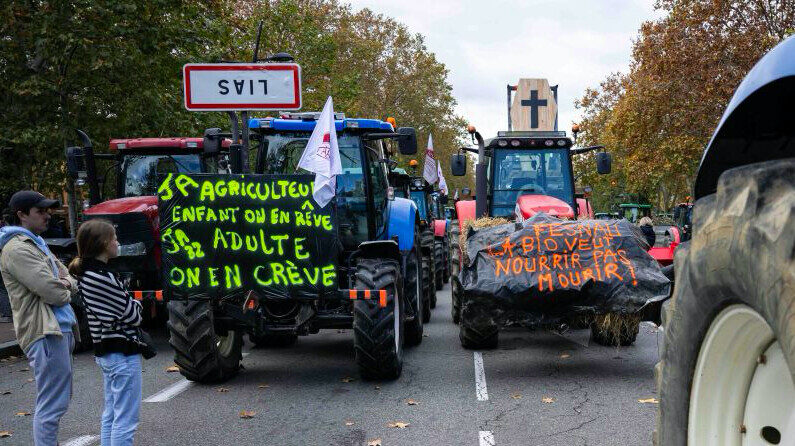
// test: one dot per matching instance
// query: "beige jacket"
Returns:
(32, 289)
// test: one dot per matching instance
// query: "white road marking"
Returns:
(480, 379)
(170, 391)
(486, 438)
(83, 440)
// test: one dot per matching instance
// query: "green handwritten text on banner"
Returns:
(223, 234)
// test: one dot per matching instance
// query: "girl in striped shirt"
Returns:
(112, 317)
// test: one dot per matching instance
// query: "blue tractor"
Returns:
(379, 263)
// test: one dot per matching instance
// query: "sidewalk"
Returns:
(8, 340)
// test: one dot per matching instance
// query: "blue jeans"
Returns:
(51, 360)
(122, 376)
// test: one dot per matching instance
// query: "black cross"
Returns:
(534, 103)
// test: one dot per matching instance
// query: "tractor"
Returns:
(433, 254)
(441, 234)
(518, 175)
(378, 263)
(135, 164)
(726, 375)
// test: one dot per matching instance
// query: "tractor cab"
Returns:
(400, 181)
(634, 211)
(528, 172)
(420, 193)
(363, 190)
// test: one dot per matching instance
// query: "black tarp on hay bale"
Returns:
(545, 269)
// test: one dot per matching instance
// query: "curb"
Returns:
(10, 348)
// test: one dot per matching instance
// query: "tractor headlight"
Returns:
(135, 249)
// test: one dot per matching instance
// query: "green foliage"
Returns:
(113, 69)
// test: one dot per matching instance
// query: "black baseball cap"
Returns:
(26, 199)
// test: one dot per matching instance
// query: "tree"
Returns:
(658, 117)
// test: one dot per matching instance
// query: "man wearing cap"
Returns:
(40, 289)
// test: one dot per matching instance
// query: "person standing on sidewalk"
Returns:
(40, 290)
(112, 318)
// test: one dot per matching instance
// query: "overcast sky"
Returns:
(488, 44)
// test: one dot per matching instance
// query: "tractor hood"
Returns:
(145, 205)
(531, 204)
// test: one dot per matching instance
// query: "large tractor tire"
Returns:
(447, 261)
(727, 369)
(378, 332)
(412, 291)
(428, 290)
(438, 265)
(270, 340)
(455, 285)
(201, 354)
(621, 336)
(477, 330)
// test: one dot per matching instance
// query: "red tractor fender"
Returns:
(440, 228)
(465, 209)
(664, 255)
(532, 204)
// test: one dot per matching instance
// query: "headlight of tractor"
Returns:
(135, 249)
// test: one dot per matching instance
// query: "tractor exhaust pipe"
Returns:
(480, 174)
(91, 168)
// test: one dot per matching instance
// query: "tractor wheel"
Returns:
(378, 332)
(273, 340)
(201, 354)
(456, 284)
(624, 336)
(727, 368)
(447, 262)
(427, 289)
(412, 291)
(86, 343)
(477, 330)
(438, 266)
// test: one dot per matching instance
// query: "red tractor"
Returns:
(518, 175)
(136, 166)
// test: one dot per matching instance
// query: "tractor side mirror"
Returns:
(407, 141)
(212, 141)
(458, 164)
(603, 163)
(75, 163)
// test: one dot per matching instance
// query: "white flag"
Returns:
(429, 169)
(442, 182)
(322, 156)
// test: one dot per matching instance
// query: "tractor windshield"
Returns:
(418, 197)
(282, 151)
(522, 171)
(139, 173)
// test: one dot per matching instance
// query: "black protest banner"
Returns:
(225, 234)
(564, 266)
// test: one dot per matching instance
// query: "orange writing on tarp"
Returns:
(564, 255)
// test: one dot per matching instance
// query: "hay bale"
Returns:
(483, 222)
(617, 328)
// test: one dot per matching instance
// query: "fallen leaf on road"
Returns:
(548, 399)
(377, 387)
(22, 414)
(425, 336)
(6, 434)
(247, 414)
(564, 356)
(374, 442)
(26, 369)
(412, 402)
(649, 401)
(172, 368)
(263, 386)
(398, 425)
(222, 390)
(30, 380)
(6, 392)
(347, 379)
(516, 396)
(349, 422)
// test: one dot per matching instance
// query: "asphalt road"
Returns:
(537, 388)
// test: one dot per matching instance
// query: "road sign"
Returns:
(236, 86)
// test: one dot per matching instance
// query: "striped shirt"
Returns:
(110, 309)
